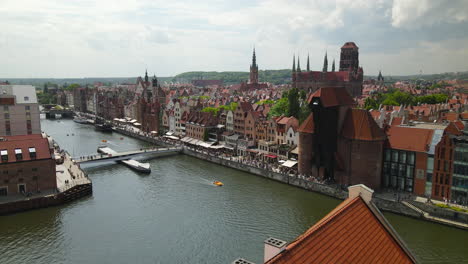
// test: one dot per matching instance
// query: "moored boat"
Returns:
(138, 166)
(80, 120)
(103, 127)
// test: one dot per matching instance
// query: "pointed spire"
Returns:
(146, 75)
(333, 65)
(298, 65)
(294, 63)
(308, 63)
(325, 63)
(254, 58)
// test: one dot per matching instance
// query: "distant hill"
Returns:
(427, 77)
(228, 77)
(271, 76)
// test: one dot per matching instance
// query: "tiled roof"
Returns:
(25, 142)
(409, 138)
(308, 125)
(352, 233)
(245, 106)
(332, 96)
(360, 125)
(348, 45)
(455, 128)
(339, 76)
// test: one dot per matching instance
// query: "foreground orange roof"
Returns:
(354, 232)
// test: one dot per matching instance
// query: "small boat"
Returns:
(138, 166)
(218, 183)
(80, 120)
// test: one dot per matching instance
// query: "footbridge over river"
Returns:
(103, 158)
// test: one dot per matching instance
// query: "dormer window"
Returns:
(4, 155)
(18, 154)
(32, 153)
(26, 98)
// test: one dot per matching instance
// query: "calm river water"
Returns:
(174, 215)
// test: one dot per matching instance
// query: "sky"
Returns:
(120, 38)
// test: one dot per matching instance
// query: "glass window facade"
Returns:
(459, 188)
(398, 170)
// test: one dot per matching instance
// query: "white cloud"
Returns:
(417, 13)
(56, 38)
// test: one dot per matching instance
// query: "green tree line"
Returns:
(398, 97)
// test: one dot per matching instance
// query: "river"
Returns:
(174, 215)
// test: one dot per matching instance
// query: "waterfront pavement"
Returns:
(69, 173)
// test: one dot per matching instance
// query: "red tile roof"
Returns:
(352, 233)
(339, 76)
(409, 138)
(332, 96)
(25, 142)
(245, 106)
(360, 125)
(348, 45)
(308, 125)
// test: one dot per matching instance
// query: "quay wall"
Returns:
(442, 212)
(382, 204)
(27, 204)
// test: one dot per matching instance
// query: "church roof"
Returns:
(339, 76)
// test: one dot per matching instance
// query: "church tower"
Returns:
(253, 69)
(349, 58)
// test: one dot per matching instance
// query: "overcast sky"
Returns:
(113, 38)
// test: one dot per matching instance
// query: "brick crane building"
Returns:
(338, 143)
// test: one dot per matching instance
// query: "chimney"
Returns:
(241, 261)
(273, 246)
(360, 190)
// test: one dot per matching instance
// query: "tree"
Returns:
(212, 110)
(294, 108)
(279, 108)
(303, 95)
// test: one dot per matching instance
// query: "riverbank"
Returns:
(388, 202)
(437, 215)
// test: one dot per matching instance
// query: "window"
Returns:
(18, 154)
(4, 155)
(32, 152)
(26, 98)
(429, 177)
(411, 157)
(7, 116)
(403, 157)
(388, 154)
(395, 155)
(3, 191)
(5, 108)
(27, 107)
